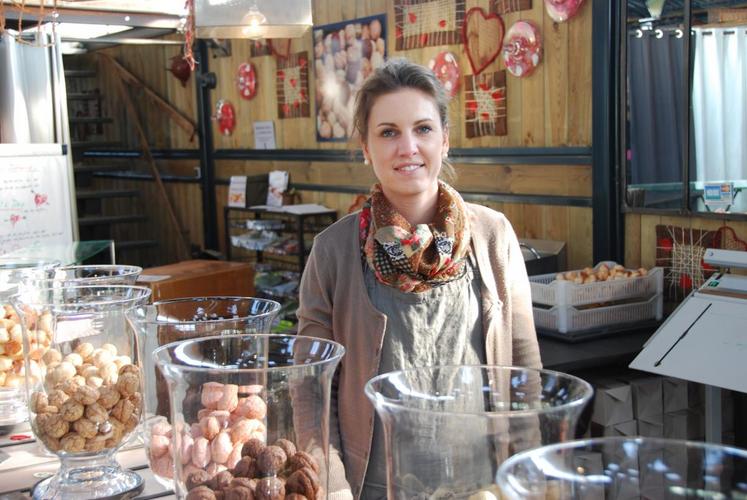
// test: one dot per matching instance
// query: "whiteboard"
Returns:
(35, 205)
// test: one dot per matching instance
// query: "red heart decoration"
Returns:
(476, 24)
(442, 23)
(293, 82)
(412, 17)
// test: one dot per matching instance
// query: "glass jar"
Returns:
(13, 275)
(182, 319)
(625, 467)
(249, 412)
(448, 428)
(85, 388)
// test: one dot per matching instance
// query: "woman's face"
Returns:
(406, 143)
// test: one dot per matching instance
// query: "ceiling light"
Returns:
(252, 18)
(252, 22)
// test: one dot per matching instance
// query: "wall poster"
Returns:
(35, 204)
(345, 54)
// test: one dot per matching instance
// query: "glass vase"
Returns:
(86, 393)
(183, 319)
(447, 429)
(249, 414)
(14, 274)
(625, 467)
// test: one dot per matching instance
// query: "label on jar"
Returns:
(74, 329)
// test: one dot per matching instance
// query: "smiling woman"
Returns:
(417, 278)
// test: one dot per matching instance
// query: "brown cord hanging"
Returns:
(20, 6)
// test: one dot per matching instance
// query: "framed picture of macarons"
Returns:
(345, 54)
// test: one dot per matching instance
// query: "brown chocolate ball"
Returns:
(243, 481)
(304, 481)
(201, 493)
(270, 488)
(288, 447)
(296, 496)
(271, 461)
(302, 459)
(197, 478)
(246, 467)
(252, 448)
(238, 493)
(221, 480)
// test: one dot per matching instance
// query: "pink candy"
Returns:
(201, 452)
(159, 445)
(252, 407)
(221, 447)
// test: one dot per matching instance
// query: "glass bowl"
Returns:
(625, 467)
(448, 428)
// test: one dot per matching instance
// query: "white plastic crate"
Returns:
(548, 291)
(566, 319)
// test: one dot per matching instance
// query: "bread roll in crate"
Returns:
(606, 282)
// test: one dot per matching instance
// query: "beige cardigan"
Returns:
(334, 305)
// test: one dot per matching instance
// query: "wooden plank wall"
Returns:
(640, 234)
(551, 108)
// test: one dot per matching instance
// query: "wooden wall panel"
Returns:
(640, 234)
(551, 108)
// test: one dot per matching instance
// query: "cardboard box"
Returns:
(629, 428)
(684, 424)
(647, 397)
(675, 393)
(651, 429)
(199, 278)
(613, 402)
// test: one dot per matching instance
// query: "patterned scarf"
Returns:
(415, 259)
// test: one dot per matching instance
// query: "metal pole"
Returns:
(206, 82)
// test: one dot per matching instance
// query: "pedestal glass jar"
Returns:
(183, 319)
(87, 396)
(250, 412)
(625, 467)
(447, 429)
(14, 274)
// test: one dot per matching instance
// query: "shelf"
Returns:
(89, 119)
(84, 96)
(79, 73)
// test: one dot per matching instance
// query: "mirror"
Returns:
(658, 96)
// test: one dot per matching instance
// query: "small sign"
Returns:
(264, 135)
(718, 194)
(237, 191)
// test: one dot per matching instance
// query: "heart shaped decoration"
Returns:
(483, 38)
(280, 47)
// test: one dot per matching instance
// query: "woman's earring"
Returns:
(445, 155)
(365, 161)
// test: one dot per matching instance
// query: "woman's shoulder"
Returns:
(487, 219)
(338, 236)
(340, 227)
